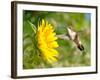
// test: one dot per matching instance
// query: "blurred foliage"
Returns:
(69, 55)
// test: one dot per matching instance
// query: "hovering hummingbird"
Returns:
(75, 38)
(72, 35)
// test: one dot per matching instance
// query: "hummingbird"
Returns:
(75, 38)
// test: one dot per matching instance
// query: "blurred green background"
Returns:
(69, 54)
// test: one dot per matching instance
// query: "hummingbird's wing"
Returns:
(71, 33)
(78, 42)
(76, 39)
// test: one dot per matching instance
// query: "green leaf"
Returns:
(32, 26)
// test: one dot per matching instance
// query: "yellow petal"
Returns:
(46, 42)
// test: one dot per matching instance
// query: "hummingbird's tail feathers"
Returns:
(81, 47)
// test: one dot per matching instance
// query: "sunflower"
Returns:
(47, 43)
